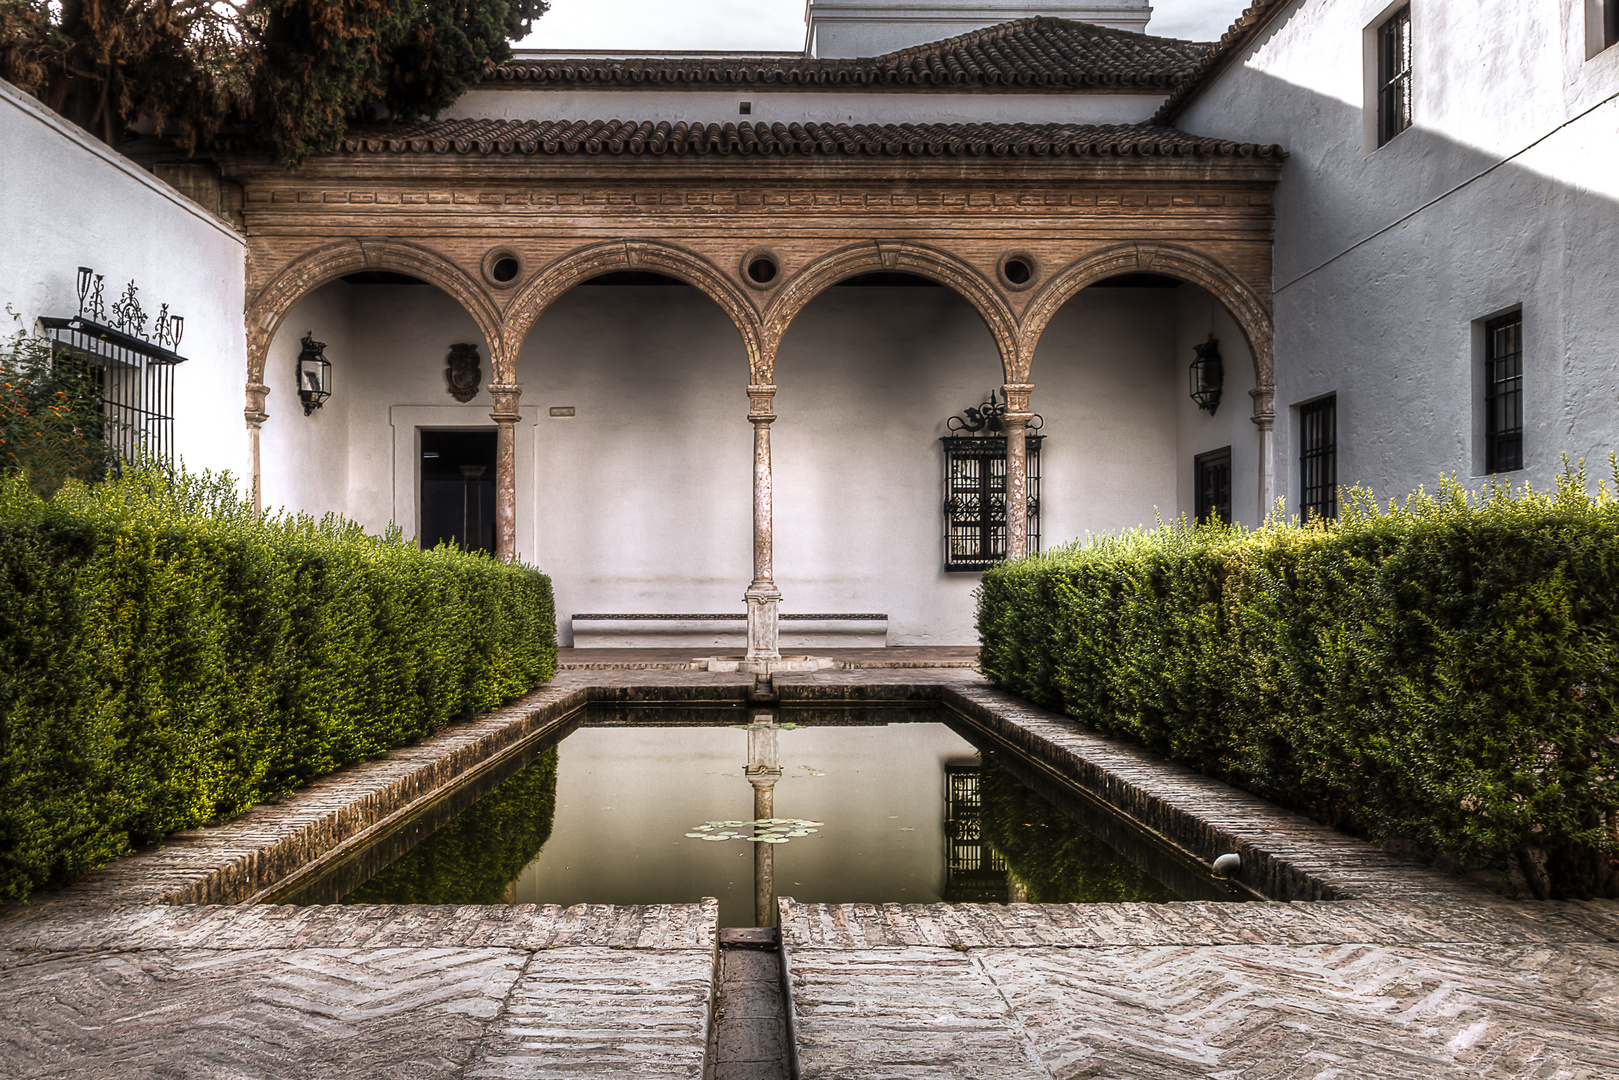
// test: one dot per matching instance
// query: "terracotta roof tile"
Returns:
(483, 136)
(1034, 53)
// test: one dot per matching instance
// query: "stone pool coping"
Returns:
(1285, 856)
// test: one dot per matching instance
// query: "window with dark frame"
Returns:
(1503, 393)
(1394, 75)
(975, 499)
(1212, 479)
(1318, 458)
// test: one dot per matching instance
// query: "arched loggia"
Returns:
(1251, 313)
(884, 256)
(267, 310)
(613, 256)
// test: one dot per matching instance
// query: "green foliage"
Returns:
(50, 422)
(166, 660)
(472, 859)
(1442, 674)
(292, 73)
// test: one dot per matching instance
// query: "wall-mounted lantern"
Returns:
(314, 374)
(1208, 375)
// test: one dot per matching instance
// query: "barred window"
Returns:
(1212, 480)
(1318, 458)
(1394, 75)
(975, 499)
(134, 380)
(1503, 393)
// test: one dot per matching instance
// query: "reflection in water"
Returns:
(910, 816)
(475, 858)
(974, 872)
(1053, 858)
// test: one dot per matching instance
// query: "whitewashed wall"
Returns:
(641, 500)
(69, 201)
(1505, 192)
(786, 106)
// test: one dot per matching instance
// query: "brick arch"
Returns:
(611, 256)
(1251, 313)
(269, 306)
(872, 257)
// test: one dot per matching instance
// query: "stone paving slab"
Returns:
(1090, 926)
(602, 1012)
(58, 927)
(1227, 1011)
(906, 1014)
(361, 991)
(405, 1013)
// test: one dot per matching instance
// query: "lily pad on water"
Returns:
(762, 831)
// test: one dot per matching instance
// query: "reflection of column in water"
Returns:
(764, 769)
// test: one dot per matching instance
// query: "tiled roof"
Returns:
(503, 137)
(1035, 53)
(1214, 60)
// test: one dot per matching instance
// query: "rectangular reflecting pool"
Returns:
(669, 804)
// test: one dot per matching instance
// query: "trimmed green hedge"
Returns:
(167, 661)
(1441, 676)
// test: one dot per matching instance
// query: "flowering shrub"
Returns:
(1441, 675)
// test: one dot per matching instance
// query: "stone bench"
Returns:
(596, 630)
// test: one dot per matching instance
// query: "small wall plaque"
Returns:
(562, 410)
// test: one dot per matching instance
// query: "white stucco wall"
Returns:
(773, 106)
(70, 201)
(642, 500)
(1505, 192)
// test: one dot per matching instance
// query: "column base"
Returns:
(765, 666)
(764, 621)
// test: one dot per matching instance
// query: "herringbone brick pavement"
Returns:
(407, 993)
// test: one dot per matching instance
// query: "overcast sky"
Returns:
(772, 24)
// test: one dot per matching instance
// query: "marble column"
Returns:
(505, 416)
(1265, 419)
(1016, 422)
(764, 769)
(256, 416)
(763, 598)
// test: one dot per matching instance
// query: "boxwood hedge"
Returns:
(166, 660)
(1440, 675)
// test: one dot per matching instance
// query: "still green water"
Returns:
(645, 805)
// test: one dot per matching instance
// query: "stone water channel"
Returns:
(1355, 964)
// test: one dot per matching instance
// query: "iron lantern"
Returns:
(1208, 375)
(314, 374)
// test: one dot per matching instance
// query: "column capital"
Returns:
(254, 412)
(761, 403)
(1017, 397)
(505, 397)
(1264, 406)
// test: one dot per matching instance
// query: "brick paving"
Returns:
(1371, 966)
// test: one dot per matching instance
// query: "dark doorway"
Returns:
(458, 489)
(1213, 485)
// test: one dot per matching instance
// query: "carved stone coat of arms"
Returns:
(463, 371)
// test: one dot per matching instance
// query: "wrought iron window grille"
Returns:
(1394, 75)
(1318, 458)
(1503, 393)
(133, 367)
(975, 486)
